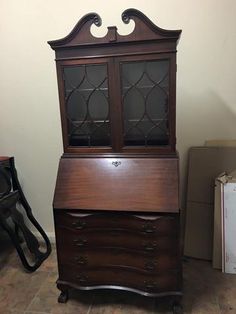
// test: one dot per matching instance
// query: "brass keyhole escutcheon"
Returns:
(116, 163)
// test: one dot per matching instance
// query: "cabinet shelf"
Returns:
(79, 122)
(85, 90)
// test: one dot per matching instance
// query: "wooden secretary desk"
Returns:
(116, 202)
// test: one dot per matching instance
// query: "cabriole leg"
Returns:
(63, 297)
(177, 307)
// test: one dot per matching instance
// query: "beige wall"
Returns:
(29, 112)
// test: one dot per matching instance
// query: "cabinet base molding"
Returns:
(65, 287)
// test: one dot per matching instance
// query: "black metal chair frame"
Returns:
(12, 220)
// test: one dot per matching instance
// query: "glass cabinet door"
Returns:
(145, 98)
(86, 105)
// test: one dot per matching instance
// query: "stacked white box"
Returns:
(228, 215)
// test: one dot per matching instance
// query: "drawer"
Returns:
(148, 224)
(83, 239)
(120, 258)
(121, 278)
(123, 184)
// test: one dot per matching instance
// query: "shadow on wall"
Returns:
(204, 117)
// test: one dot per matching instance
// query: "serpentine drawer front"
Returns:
(124, 184)
(121, 258)
(76, 240)
(126, 222)
(165, 282)
(137, 251)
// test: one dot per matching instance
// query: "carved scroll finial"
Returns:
(83, 25)
(139, 17)
(144, 30)
(125, 17)
(97, 20)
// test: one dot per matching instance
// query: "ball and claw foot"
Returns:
(63, 297)
(177, 308)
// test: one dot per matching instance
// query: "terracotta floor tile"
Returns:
(72, 307)
(46, 300)
(227, 299)
(228, 311)
(27, 312)
(79, 302)
(43, 302)
(205, 308)
(50, 264)
(121, 303)
(13, 312)
(18, 288)
(124, 309)
(206, 291)
(46, 297)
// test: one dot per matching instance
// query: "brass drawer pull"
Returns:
(150, 285)
(116, 163)
(82, 278)
(79, 224)
(148, 228)
(80, 242)
(152, 246)
(80, 260)
(150, 266)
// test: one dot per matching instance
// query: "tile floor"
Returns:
(207, 291)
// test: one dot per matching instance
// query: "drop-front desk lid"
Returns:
(132, 184)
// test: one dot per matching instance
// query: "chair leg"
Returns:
(17, 232)
(26, 206)
(15, 240)
(8, 209)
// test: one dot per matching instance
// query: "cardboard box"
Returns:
(205, 164)
(225, 223)
(199, 231)
(221, 143)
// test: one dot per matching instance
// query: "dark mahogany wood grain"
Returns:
(146, 42)
(117, 250)
(135, 184)
(161, 225)
(115, 50)
(4, 158)
(120, 258)
(116, 208)
(144, 30)
(144, 243)
(149, 283)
